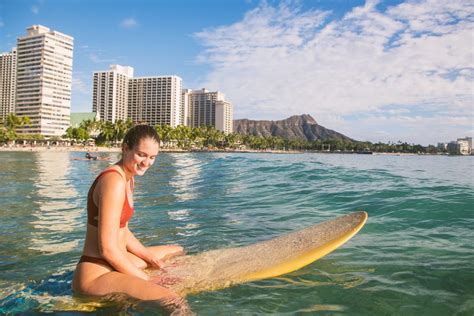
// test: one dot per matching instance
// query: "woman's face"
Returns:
(138, 159)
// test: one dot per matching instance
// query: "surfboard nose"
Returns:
(362, 214)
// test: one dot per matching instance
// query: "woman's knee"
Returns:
(167, 251)
(173, 251)
(176, 249)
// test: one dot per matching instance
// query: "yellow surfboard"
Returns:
(217, 269)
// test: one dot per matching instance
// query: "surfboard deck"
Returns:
(221, 268)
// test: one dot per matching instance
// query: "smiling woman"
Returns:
(113, 259)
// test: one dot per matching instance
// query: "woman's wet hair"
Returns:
(139, 132)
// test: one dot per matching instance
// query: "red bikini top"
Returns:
(93, 210)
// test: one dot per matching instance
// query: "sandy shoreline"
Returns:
(59, 148)
(93, 149)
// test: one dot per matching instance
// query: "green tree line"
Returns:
(205, 137)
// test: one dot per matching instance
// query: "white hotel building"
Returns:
(110, 95)
(7, 83)
(157, 100)
(43, 82)
(207, 108)
(117, 95)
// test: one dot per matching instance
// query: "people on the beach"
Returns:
(113, 259)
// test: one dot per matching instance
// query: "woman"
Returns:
(113, 259)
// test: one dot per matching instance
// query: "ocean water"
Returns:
(414, 256)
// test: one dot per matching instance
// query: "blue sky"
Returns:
(373, 70)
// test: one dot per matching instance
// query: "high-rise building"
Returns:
(209, 109)
(117, 95)
(224, 116)
(44, 77)
(185, 99)
(7, 83)
(110, 93)
(156, 100)
(186, 118)
(465, 145)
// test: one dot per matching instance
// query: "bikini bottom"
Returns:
(96, 260)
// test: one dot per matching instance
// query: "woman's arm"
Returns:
(111, 196)
(139, 250)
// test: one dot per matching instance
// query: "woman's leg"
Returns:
(116, 282)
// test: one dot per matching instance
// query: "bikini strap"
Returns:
(132, 182)
(107, 171)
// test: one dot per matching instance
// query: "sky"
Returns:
(372, 70)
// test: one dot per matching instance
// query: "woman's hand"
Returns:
(154, 261)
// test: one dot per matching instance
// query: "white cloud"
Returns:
(97, 59)
(35, 9)
(281, 61)
(81, 91)
(79, 85)
(2, 24)
(129, 23)
(428, 130)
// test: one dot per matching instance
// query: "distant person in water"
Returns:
(113, 259)
(90, 157)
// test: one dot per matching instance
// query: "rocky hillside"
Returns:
(302, 127)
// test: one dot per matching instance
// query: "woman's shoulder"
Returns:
(112, 175)
(114, 169)
(110, 184)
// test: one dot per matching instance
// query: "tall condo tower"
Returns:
(7, 83)
(44, 76)
(110, 93)
(209, 109)
(156, 100)
(186, 117)
(224, 116)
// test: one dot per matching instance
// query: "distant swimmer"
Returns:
(90, 157)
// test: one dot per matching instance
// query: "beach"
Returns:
(28, 148)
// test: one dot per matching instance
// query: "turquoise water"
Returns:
(414, 256)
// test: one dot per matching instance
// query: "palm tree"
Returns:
(212, 136)
(91, 126)
(182, 135)
(197, 137)
(11, 123)
(77, 133)
(69, 133)
(120, 127)
(106, 131)
(231, 139)
(219, 138)
(164, 132)
(279, 143)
